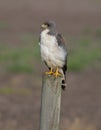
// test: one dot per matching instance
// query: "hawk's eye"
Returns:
(47, 24)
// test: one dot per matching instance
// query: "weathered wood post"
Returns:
(50, 103)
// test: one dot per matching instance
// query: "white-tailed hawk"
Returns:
(53, 50)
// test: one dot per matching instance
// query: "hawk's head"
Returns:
(48, 25)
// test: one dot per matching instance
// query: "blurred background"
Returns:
(21, 68)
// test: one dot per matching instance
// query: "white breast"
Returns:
(51, 53)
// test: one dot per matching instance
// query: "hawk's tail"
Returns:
(64, 83)
(64, 69)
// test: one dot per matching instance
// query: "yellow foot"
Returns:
(56, 74)
(50, 72)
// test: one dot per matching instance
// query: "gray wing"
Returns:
(61, 43)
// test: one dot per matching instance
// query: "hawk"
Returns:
(53, 51)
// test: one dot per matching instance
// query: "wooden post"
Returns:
(50, 103)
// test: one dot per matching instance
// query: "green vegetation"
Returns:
(88, 31)
(21, 59)
(85, 52)
(10, 90)
(81, 59)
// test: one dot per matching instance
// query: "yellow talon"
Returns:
(50, 72)
(56, 73)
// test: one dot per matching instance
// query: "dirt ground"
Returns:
(81, 102)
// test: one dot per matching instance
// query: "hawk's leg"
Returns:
(50, 72)
(56, 73)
